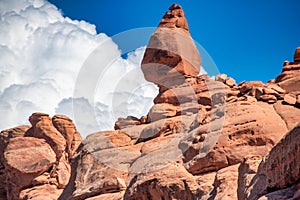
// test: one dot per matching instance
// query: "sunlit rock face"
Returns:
(202, 139)
(171, 53)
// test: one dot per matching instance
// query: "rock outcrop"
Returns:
(289, 79)
(297, 55)
(277, 176)
(202, 139)
(35, 161)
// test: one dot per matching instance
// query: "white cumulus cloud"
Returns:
(41, 54)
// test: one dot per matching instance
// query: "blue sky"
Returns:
(248, 40)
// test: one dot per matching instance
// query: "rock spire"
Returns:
(171, 54)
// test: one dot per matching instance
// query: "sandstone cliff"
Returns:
(202, 139)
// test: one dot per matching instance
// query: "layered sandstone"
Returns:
(297, 55)
(290, 76)
(277, 176)
(202, 139)
(35, 161)
(167, 63)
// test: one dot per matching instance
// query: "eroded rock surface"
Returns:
(35, 161)
(202, 139)
(279, 171)
(171, 53)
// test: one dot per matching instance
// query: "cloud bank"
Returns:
(41, 54)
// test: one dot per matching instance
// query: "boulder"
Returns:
(256, 92)
(202, 139)
(42, 127)
(25, 159)
(67, 128)
(127, 122)
(105, 140)
(161, 111)
(172, 182)
(247, 86)
(268, 98)
(221, 78)
(230, 82)
(41, 192)
(276, 88)
(36, 160)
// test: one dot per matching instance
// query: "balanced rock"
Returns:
(171, 53)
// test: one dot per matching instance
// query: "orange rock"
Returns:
(297, 55)
(42, 127)
(230, 82)
(289, 79)
(247, 170)
(171, 53)
(67, 128)
(203, 138)
(5, 136)
(225, 183)
(174, 18)
(242, 134)
(172, 182)
(290, 114)
(128, 122)
(269, 98)
(276, 88)
(289, 99)
(256, 92)
(25, 159)
(247, 86)
(37, 157)
(100, 171)
(161, 111)
(108, 196)
(221, 77)
(106, 140)
(273, 173)
(41, 192)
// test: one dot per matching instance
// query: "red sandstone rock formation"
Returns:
(297, 55)
(171, 53)
(35, 161)
(203, 138)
